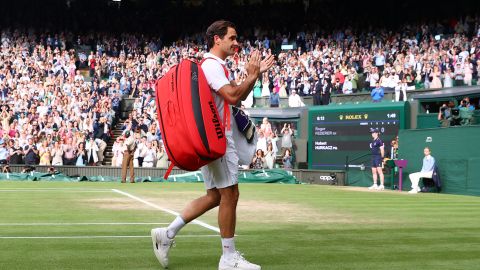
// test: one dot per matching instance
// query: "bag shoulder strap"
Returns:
(169, 170)
(226, 107)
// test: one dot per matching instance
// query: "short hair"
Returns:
(426, 147)
(217, 28)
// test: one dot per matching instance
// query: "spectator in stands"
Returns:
(162, 158)
(81, 155)
(410, 79)
(426, 171)
(262, 140)
(459, 74)
(287, 160)
(347, 86)
(142, 150)
(377, 93)
(436, 82)
(117, 152)
(258, 161)
(150, 156)
(31, 153)
(92, 150)
(295, 100)
(265, 85)
(326, 92)
(266, 128)
(468, 71)
(15, 153)
(373, 77)
(274, 99)
(386, 82)
(287, 138)
(477, 69)
(102, 145)
(69, 152)
(379, 60)
(257, 89)
(394, 82)
(378, 153)
(317, 96)
(57, 154)
(270, 156)
(3, 153)
(403, 88)
(448, 78)
(45, 154)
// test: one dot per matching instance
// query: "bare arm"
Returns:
(234, 93)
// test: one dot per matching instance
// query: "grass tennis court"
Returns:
(57, 225)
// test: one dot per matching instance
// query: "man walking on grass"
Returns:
(220, 176)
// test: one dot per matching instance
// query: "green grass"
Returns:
(279, 227)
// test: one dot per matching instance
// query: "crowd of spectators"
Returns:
(426, 56)
(274, 147)
(52, 113)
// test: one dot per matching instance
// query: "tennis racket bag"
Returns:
(192, 131)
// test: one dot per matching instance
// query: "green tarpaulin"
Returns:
(257, 176)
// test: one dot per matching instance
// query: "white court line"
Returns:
(82, 224)
(49, 190)
(102, 236)
(203, 224)
(95, 189)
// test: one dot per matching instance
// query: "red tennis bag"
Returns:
(192, 131)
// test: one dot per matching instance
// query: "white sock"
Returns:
(228, 246)
(175, 226)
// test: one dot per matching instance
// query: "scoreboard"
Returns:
(336, 132)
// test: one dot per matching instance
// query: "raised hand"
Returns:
(267, 63)
(253, 65)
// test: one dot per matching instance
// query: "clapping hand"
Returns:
(253, 65)
(266, 63)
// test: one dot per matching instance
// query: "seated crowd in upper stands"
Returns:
(52, 113)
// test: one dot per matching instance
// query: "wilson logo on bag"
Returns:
(192, 132)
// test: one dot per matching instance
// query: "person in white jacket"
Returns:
(92, 151)
(150, 156)
(295, 100)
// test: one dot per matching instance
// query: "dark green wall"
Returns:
(456, 151)
(425, 120)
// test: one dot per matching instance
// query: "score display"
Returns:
(336, 134)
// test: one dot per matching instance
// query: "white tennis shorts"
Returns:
(222, 172)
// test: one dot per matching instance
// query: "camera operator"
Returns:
(466, 112)
(465, 103)
(445, 114)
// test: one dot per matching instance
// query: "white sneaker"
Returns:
(236, 262)
(413, 191)
(161, 245)
(381, 187)
(374, 186)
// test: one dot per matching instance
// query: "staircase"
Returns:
(117, 131)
